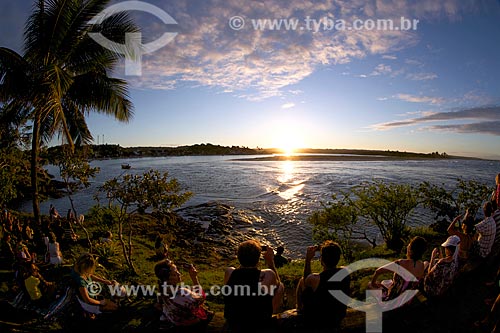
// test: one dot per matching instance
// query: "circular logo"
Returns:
(374, 309)
(94, 288)
(133, 49)
(236, 22)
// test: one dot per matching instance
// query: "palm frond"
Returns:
(98, 93)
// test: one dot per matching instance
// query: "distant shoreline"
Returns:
(341, 158)
(107, 151)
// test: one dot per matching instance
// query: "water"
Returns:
(282, 193)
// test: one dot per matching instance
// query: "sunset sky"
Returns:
(436, 88)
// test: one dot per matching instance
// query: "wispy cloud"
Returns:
(484, 127)
(381, 69)
(419, 99)
(422, 76)
(413, 62)
(288, 105)
(389, 57)
(489, 121)
(296, 92)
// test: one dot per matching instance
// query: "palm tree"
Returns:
(64, 75)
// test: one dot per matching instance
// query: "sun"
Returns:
(288, 142)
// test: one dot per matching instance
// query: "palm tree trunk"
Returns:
(35, 147)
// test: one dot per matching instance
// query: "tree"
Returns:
(76, 172)
(63, 74)
(388, 206)
(338, 221)
(448, 203)
(129, 195)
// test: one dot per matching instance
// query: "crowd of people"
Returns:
(470, 247)
(20, 244)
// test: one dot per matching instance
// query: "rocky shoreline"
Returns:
(218, 226)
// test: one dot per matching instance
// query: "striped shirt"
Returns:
(495, 249)
(487, 231)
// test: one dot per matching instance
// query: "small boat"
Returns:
(126, 166)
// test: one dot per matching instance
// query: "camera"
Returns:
(187, 266)
(264, 248)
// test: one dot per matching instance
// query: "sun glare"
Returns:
(288, 143)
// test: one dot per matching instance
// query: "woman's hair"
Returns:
(52, 237)
(163, 269)
(497, 179)
(108, 234)
(249, 253)
(85, 264)
(417, 247)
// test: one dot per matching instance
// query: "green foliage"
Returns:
(130, 195)
(14, 175)
(336, 221)
(104, 218)
(448, 203)
(151, 190)
(74, 168)
(388, 206)
(76, 173)
(107, 255)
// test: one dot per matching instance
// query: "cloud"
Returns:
(389, 57)
(413, 62)
(288, 105)
(489, 124)
(419, 99)
(256, 64)
(381, 69)
(422, 76)
(485, 127)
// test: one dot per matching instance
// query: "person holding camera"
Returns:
(320, 309)
(252, 309)
(181, 306)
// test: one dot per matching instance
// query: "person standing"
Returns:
(279, 260)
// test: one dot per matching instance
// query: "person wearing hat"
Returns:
(442, 269)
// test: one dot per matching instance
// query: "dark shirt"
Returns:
(280, 261)
(322, 309)
(246, 312)
(8, 252)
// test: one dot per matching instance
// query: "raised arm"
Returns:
(102, 280)
(452, 230)
(381, 270)
(269, 259)
(193, 273)
(311, 250)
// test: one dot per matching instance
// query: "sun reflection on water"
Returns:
(287, 173)
(291, 187)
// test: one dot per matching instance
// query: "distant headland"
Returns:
(107, 151)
